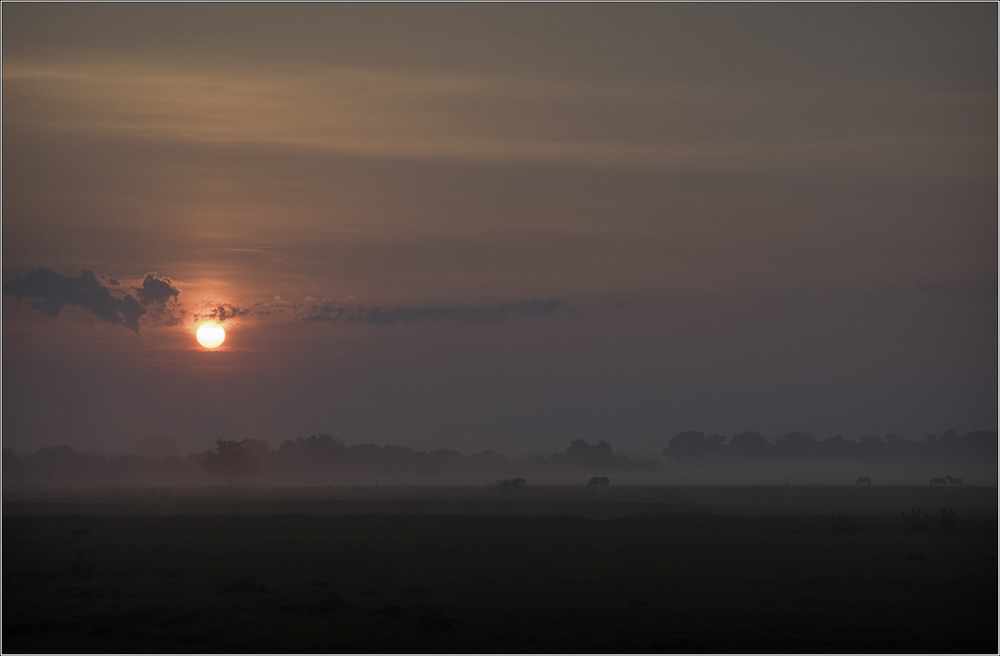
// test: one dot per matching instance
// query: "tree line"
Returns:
(326, 460)
(693, 449)
(314, 460)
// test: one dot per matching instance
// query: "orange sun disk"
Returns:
(210, 335)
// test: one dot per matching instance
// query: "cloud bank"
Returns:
(49, 292)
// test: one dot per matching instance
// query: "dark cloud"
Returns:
(156, 290)
(159, 297)
(326, 312)
(222, 312)
(50, 292)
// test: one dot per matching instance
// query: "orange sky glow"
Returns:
(498, 226)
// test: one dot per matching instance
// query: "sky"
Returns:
(497, 226)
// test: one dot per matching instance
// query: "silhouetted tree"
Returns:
(796, 446)
(487, 461)
(258, 448)
(688, 448)
(836, 448)
(748, 445)
(313, 447)
(316, 457)
(582, 455)
(233, 459)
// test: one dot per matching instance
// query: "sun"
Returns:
(210, 335)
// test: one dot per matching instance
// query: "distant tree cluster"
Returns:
(582, 457)
(313, 460)
(234, 459)
(64, 466)
(693, 449)
(325, 460)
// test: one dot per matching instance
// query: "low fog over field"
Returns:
(689, 458)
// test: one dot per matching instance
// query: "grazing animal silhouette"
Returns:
(598, 480)
(864, 480)
(511, 483)
(938, 481)
(953, 481)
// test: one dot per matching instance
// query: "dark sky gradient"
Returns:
(498, 226)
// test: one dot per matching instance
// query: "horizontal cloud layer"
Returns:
(325, 312)
(156, 301)
(328, 311)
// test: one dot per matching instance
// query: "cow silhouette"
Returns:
(598, 480)
(864, 480)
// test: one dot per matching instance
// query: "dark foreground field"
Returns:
(667, 577)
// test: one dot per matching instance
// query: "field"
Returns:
(763, 569)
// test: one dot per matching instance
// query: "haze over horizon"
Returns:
(497, 226)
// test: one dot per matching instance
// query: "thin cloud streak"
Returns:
(379, 316)
(453, 117)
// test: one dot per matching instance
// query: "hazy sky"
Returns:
(497, 226)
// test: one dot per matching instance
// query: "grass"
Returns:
(668, 582)
(752, 499)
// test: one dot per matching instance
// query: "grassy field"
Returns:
(687, 579)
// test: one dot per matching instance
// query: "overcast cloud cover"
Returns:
(497, 226)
